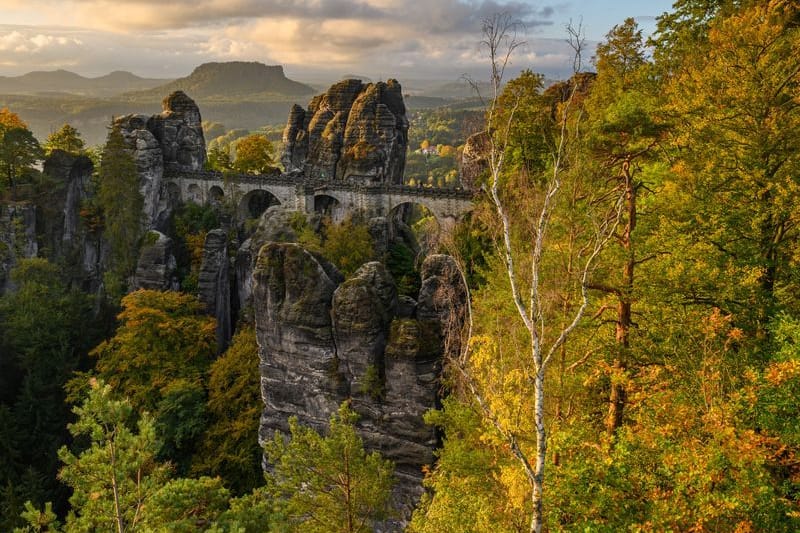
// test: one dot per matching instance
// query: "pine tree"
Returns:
(122, 204)
(329, 484)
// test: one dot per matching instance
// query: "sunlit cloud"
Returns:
(167, 39)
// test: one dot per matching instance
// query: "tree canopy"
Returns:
(67, 139)
(254, 155)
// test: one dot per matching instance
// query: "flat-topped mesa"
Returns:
(353, 132)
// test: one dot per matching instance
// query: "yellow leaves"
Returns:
(517, 486)
(715, 323)
(163, 336)
(195, 243)
(783, 371)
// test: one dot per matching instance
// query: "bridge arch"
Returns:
(194, 194)
(447, 209)
(216, 195)
(329, 205)
(255, 202)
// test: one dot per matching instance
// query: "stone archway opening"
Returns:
(194, 194)
(254, 203)
(172, 194)
(216, 195)
(329, 207)
(418, 219)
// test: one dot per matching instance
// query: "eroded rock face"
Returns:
(17, 238)
(363, 308)
(273, 226)
(293, 292)
(149, 158)
(156, 269)
(73, 173)
(323, 340)
(474, 160)
(172, 140)
(214, 285)
(179, 131)
(353, 132)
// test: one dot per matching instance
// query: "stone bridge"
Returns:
(253, 194)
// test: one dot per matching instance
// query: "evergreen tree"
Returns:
(329, 484)
(116, 477)
(19, 151)
(45, 332)
(229, 447)
(122, 205)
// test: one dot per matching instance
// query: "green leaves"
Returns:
(163, 337)
(122, 205)
(329, 484)
(254, 155)
(19, 151)
(116, 476)
(67, 139)
(229, 445)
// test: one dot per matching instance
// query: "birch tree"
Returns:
(524, 246)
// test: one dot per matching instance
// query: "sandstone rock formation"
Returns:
(74, 174)
(293, 291)
(273, 226)
(323, 340)
(179, 131)
(474, 160)
(172, 140)
(149, 158)
(17, 238)
(214, 284)
(353, 132)
(157, 267)
(65, 235)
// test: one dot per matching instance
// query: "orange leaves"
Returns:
(783, 371)
(162, 337)
(9, 119)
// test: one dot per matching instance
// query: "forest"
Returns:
(631, 360)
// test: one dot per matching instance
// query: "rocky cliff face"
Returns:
(474, 160)
(354, 131)
(323, 340)
(17, 238)
(66, 236)
(179, 131)
(172, 140)
(149, 158)
(214, 283)
(73, 174)
(157, 268)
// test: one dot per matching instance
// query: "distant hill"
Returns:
(66, 82)
(231, 81)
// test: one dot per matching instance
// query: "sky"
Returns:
(313, 39)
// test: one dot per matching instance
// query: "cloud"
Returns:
(156, 38)
(31, 48)
(137, 15)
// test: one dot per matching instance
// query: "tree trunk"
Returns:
(619, 395)
(541, 450)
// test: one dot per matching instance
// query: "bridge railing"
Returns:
(356, 183)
